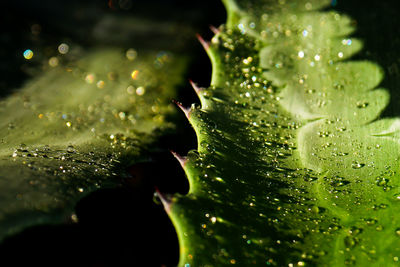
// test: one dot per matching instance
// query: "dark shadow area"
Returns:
(117, 227)
(124, 226)
(378, 25)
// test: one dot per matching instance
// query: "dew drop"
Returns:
(63, 48)
(362, 104)
(397, 231)
(28, 54)
(71, 149)
(357, 165)
(131, 54)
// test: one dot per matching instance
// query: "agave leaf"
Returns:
(294, 167)
(75, 128)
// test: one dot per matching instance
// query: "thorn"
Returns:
(214, 29)
(164, 200)
(182, 160)
(204, 43)
(185, 110)
(195, 87)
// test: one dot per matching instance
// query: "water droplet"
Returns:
(346, 42)
(362, 104)
(371, 221)
(131, 54)
(397, 231)
(71, 149)
(140, 91)
(338, 86)
(23, 147)
(28, 54)
(357, 165)
(100, 84)
(90, 78)
(53, 62)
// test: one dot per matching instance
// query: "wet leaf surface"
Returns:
(294, 164)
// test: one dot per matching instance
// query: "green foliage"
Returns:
(75, 128)
(294, 166)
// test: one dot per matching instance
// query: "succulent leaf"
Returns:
(294, 166)
(76, 128)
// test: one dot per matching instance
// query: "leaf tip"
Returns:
(204, 43)
(185, 110)
(182, 160)
(214, 29)
(196, 88)
(165, 200)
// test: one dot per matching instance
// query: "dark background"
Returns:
(124, 226)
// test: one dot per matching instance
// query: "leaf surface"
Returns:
(294, 166)
(76, 127)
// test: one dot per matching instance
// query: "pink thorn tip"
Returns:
(204, 43)
(195, 87)
(164, 200)
(214, 29)
(182, 160)
(185, 110)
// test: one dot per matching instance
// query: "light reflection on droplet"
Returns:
(131, 54)
(140, 90)
(241, 28)
(100, 84)
(219, 179)
(53, 62)
(122, 115)
(134, 74)
(63, 48)
(28, 54)
(346, 42)
(89, 78)
(130, 90)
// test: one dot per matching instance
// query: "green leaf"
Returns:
(294, 167)
(76, 128)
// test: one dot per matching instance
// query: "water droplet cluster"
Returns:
(76, 126)
(289, 161)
